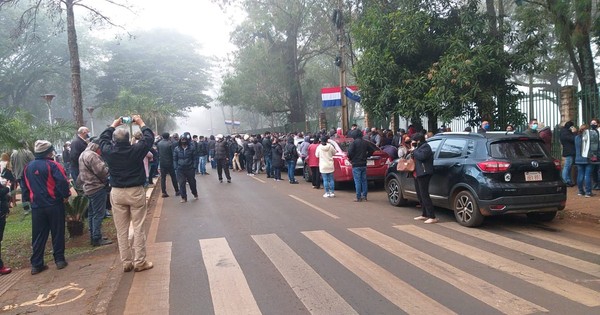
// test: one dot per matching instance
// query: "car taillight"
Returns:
(493, 166)
(557, 165)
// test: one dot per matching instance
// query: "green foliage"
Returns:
(76, 207)
(161, 65)
(20, 125)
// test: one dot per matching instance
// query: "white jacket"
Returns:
(325, 154)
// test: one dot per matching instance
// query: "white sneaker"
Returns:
(326, 195)
(331, 195)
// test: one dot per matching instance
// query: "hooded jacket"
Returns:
(93, 172)
(185, 158)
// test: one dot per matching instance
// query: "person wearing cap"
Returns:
(222, 158)
(184, 161)
(46, 187)
(127, 195)
(93, 178)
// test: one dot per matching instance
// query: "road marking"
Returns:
(325, 212)
(541, 279)
(388, 285)
(314, 292)
(46, 301)
(556, 238)
(488, 293)
(258, 179)
(528, 249)
(149, 292)
(229, 289)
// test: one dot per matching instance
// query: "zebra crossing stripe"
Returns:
(488, 293)
(555, 238)
(316, 294)
(384, 282)
(229, 289)
(541, 279)
(542, 253)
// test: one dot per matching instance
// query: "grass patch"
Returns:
(16, 246)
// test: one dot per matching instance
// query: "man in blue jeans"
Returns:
(358, 152)
(567, 139)
(93, 178)
(203, 155)
(290, 155)
(267, 144)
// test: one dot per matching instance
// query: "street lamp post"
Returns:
(91, 112)
(48, 98)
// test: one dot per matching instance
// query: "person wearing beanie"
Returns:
(46, 187)
(358, 152)
(127, 177)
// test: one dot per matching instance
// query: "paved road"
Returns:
(256, 246)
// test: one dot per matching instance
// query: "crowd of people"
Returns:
(113, 170)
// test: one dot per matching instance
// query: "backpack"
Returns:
(288, 153)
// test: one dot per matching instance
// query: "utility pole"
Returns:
(338, 20)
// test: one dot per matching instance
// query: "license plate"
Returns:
(533, 176)
(370, 162)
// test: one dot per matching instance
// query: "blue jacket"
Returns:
(578, 158)
(185, 159)
(45, 183)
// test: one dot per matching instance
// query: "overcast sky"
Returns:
(201, 19)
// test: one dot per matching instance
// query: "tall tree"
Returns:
(56, 9)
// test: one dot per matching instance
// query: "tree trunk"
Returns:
(297, 110)
(75, 66)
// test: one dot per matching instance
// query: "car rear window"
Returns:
(517, 149)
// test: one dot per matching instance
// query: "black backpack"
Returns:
(288, 153)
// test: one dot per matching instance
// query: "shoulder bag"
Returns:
(406, 164)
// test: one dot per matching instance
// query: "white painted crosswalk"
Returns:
(231, 292)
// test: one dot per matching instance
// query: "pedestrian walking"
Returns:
(423, 155)
(325, 153)
(358, 152)
(165, 155)
(184, 159)
(222, 158)
(128, 197)
(46, 187)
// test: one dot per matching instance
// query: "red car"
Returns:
(377, 164)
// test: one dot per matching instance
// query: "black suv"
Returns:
(478, 175)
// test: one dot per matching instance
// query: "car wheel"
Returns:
(541, 216)
(306, 173)
(466, 209)
(394, 192)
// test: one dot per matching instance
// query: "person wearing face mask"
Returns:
(423, 156)
(532, 131)
(184, 161)
(567, 140)
(485, 126)
(591, 149)
(78, 145)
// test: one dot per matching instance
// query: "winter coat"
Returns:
(267, 143)
(277, 155)
(248, 149)
(567, 139)
(258, 151)
(291, 148)
(423, 160)
(78, 145)
(358, 151)
(45, 183)
(312, 160)
(579, 159)
(125, 160)
(325, 155)
(18, 160)
(184, 158)
(93, 172)
(202, 148)
(304, 147)
(221, 150)
(165, 153)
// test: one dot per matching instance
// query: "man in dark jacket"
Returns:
(202, 155)
(184, 160)
(78, 145)
(165, 153)
(222, 157)
(46, 187)
(127, 177)
(567, 139)
(267, 144)
(358, 152)
(290, 155)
